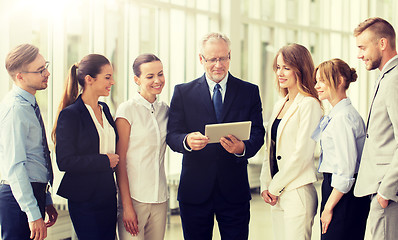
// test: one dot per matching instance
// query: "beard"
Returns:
(375, 63)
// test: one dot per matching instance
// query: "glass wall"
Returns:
(324, 27)
(67, 30)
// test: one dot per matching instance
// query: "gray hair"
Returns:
(214, 36)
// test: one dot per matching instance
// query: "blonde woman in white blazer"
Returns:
(288, 173)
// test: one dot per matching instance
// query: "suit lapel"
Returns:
(292, 109)
(88, 122)
(390, 67)
(203, 94)
(109, 118)
(276, 111)
(230, 95)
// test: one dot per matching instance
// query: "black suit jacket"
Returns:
(191, 109)
(87, 172)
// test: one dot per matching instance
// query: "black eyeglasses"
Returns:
(222, 60)
(43, 71)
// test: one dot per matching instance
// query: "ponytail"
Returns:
(90, 65)
(69, 96)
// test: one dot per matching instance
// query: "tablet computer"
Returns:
(240, 130)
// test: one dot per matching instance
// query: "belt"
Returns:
(5, 182)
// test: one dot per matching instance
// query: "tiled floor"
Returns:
(260, 226)
(260, 223)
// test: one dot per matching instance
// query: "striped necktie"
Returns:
(46, 151)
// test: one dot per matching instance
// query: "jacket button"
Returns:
(367, 135)
(279, 157)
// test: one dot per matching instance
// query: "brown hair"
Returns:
(380, 27)
(90, 65)
(299, 59)
(141, 59)
(330, 71)
(20, 57)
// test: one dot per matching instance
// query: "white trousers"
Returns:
(151, 221)
(293, 214)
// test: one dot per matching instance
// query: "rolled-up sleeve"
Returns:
(17, 128)
(342, 183)
(342, 143)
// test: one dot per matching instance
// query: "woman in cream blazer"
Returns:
(288, 173)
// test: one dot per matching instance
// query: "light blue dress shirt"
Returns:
(342, 136)
(22, 158)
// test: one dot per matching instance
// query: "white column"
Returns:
(97, 26)
(5, 80)
(231, 25)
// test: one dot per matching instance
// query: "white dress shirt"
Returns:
(223, 86)
(223, 90)
(342, 136)
(106, 132)
(146, 149)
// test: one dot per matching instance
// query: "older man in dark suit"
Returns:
(214, 178)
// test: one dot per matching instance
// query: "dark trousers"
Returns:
(13, 221)
(349, 215)
(94, 219)
(198, 219)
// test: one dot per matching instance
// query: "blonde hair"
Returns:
(380, 27)
(330, 72)
(18, 58)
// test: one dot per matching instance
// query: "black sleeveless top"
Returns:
(274, 163)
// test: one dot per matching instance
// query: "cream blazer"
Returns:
(294, 146)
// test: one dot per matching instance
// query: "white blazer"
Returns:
(294, 146)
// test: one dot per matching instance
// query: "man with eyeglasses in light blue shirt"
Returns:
(25, 164)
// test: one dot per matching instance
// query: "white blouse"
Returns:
(106, 132)
(146, 149)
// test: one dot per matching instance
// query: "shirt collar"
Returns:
(212, 84)
(24, 94)
(387, 63)
(141, 100)
(340, 105)
(323, 123)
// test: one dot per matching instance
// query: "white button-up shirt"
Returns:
(342, 136)
(105, 131)
(146, 149)
(223, 86)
